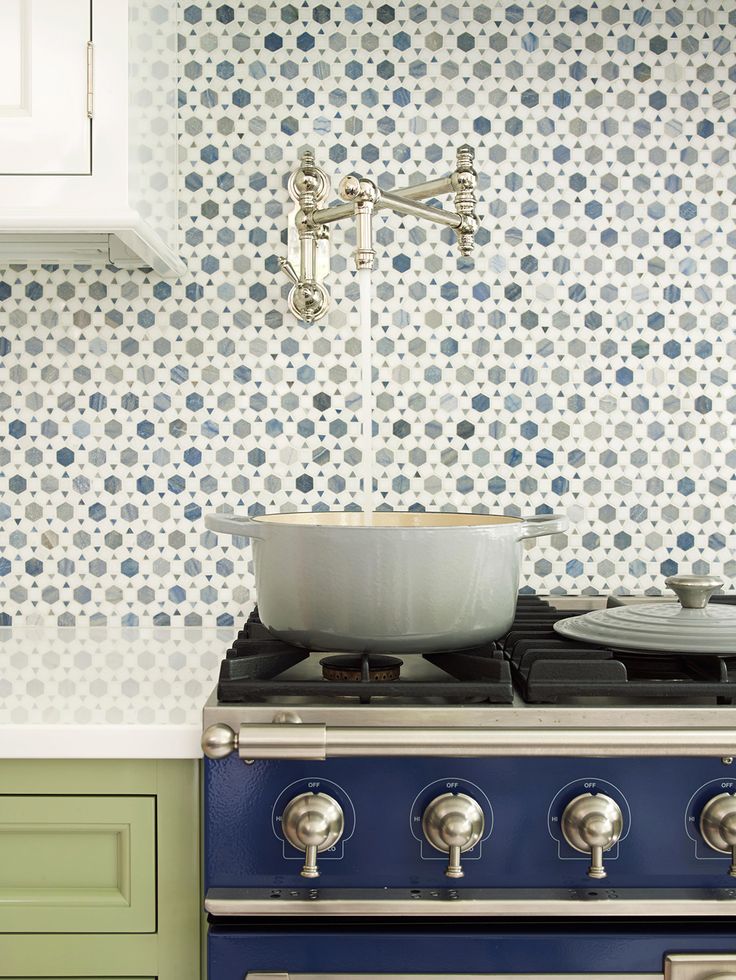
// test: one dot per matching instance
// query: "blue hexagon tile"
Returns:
(583, 360)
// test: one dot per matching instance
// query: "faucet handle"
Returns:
(308, 299)
(289, 269)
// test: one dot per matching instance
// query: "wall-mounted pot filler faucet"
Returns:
(309, 187)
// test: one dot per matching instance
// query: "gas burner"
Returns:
(545, 667)
(549, 668)
(260, 668)
(361, 667)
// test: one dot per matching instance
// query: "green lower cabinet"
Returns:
(99, 870)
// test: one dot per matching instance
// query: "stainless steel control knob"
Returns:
(312, 822)
(592, 823)
(453, 823)
(718, 826)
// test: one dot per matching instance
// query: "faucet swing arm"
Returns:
(309, 188)
(400, 201)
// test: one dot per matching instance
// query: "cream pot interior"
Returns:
(350, 518)
(386, 581)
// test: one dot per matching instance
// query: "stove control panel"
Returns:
(515, 823)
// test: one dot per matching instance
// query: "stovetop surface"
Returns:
(532, 665)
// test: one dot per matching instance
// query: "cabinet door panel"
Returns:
(77, 864)
(44, 126)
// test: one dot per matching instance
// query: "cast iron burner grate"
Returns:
(547, 668)
(258, 667)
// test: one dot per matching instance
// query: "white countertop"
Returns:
(106, 692)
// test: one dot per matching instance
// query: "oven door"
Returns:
(654, 950)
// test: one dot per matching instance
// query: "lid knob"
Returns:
(693, 591)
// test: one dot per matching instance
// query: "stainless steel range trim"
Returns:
(298, 738)
(604, 718)
(699, 966)
(386, 902)
(677, 966)
(453, 976)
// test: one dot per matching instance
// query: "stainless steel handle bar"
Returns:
(320, 742)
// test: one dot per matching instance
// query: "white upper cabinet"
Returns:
(44, 111)
(88, 133)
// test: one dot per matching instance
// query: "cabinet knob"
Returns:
(453, 823)
(592, 823)
(312, 822)
(718, 826)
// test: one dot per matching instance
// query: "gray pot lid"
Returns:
(690, 626)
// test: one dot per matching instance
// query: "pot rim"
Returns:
(529, 526)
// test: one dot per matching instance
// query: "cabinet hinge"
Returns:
(90, 80)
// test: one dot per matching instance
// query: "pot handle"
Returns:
(239, 525)
(536, 525)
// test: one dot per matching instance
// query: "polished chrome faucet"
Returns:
(309, 187)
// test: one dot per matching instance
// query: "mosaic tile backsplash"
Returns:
(583, 360)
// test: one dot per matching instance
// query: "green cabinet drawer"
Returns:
(77, 864)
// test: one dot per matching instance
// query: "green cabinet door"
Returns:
(83, 864)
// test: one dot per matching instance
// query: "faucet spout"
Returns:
(365, 197)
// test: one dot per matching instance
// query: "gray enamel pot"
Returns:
(388, 581)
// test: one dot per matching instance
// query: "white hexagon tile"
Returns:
(583, 360)
(96, 676)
